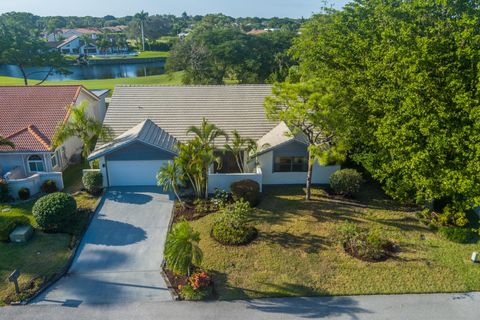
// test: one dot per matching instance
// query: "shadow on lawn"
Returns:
(308, 242)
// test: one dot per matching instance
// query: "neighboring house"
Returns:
(74, 45)
(148, 121)
(30, 116)
(114, 29)
(68, 33)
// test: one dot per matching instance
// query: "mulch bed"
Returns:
(189, 212)
(175, 280)
(389, 251)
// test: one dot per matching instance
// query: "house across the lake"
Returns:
(148, 121)
(30, 116)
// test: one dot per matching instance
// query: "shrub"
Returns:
(220, 198)
(456, 234)
(247, 190)
(4, 192)
(54, 212)
(9, 223)
(93, 182)
(189, 293)
(449, 217)
(363, 244)
(181, 248)
(232, 228)
(346, 182)
(49, 186)
(24, 193)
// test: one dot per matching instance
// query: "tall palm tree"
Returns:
(207, 133)
(6, 142)
(181, 248)
(82, 125)
(238, 147)
(142, 17)
(170, 177)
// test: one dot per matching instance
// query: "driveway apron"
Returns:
(119, 258)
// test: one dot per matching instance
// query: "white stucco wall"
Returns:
(321, 174)
(34, 183)
(223, 181)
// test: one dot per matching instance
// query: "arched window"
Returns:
(35, 163)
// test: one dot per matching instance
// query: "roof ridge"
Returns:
(194, 85)
(39, 136)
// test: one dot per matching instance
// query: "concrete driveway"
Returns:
(121, 253)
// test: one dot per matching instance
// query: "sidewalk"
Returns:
(393, 307)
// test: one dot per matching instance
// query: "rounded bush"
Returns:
(456, 234)
(24, 193)
(247, 190)
(93, 182)
(54, 212)
(232, 228)
(49, 186)
(4, 191)
(346, 182)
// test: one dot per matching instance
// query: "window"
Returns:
(290, 164)
(35, 163)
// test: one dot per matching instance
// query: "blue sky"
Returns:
(261, 8)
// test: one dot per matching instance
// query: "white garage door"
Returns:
(134, 173)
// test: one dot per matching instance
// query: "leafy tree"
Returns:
(21, 45)
(306, 109)
(140, 19)
(405, 74)
(181, 248)
(240, 146)
(6, 142)
(82, 125)
(207, 133)
(170, 177)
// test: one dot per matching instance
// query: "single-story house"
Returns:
(149, 121)
(74, 45)
(30, 116)
(66, 33)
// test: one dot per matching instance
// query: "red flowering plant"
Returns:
(199, 280)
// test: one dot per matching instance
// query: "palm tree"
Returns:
(170, 177)
(240, 145)
(6, 142)
(181, 248)
(207, 133)
(83, 126)
(141, 17)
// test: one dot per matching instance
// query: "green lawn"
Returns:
(174, 78)
(144, 54)
(295, 254)
(72, 177)
(40, 258)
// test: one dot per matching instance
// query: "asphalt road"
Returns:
(392, 307)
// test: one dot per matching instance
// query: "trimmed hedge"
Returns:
(4, 191)
(54, 212)
(9, 223)
(346, 182)
(49, 186)
(93, 182)
(247, 190)
(24, 193)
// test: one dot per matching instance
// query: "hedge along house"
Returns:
(148, 121)
(29, 117)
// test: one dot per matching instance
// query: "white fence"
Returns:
(34, 182)
(224, 180)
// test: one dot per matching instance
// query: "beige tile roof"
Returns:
(175, 108)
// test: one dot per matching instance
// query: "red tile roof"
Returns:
(29, 115)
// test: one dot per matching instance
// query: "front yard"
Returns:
(296, 254)
(43, 256)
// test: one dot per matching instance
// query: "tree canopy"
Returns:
(405, 75)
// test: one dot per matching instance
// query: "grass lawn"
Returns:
(40, 258)
(295, 254)
(144, 54)
(72, 177)
(174, 78)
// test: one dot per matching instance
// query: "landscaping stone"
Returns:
(21, 234)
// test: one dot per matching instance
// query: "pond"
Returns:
(87, 72)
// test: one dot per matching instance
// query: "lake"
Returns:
(87, 72)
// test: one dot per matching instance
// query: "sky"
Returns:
(235, 8)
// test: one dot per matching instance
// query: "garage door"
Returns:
(134, 173)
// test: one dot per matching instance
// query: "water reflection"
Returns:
(110, 71)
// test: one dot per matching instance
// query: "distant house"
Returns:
(256, 32)
(148, 121)
(114, 29)
(30, 116)
(68, 33)
(75, 45)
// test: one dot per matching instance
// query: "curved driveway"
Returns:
(120, 255)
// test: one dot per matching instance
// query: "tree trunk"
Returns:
(308, 191)
(25, 79)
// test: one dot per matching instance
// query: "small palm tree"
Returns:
(83, 126)
(170, 177)
(238, 146)
(141, 18)
(181, 248)
(6, 142)
(207, 133)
